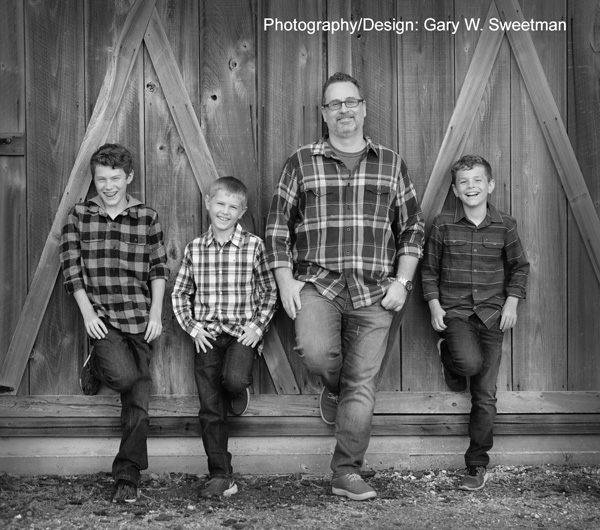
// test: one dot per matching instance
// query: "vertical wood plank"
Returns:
(490, 132)
(13, 188)
(103, 25)
(170, 182)
(539, 205)
(290, 66)
(55, 127)
(229, 105)
(425, 103)
(583, 292)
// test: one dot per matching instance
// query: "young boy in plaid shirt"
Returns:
(474, 274)
(114, 264)
(224, 297)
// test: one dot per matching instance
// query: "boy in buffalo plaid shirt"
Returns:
(224, 298)
(114, 264)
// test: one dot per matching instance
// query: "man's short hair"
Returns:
(229, 185)
(467, 162)
(339, 77)
(112, 155)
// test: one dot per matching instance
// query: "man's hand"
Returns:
(289, 291)
(202, 340)
(249, 338)
(395, 297)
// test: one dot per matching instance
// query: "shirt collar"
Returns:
(323, 147)
(492, 213)
(131, 208)
(236, 238)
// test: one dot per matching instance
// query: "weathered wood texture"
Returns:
(13, 185)
(583, 302)
(254, 95)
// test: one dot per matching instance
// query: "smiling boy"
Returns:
(474, 273)
(224, 298)
(114, 265)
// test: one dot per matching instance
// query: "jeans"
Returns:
(345, 346)
(122, 362)
(223, 371)
(476, 351)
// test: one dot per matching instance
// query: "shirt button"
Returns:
(474, 250)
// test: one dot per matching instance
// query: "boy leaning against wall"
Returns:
(224, 298)
(114, 264)
(474, 273)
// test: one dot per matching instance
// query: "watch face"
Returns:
(408, 285)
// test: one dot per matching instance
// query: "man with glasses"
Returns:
(344, 236)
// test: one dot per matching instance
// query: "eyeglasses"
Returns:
(350, 103)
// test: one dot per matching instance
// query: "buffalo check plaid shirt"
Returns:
(114, 260)
(338, 228)
(223, 288)
(472, 269)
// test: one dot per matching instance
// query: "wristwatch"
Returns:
(406, 283)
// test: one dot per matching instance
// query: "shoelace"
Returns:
(333, 397)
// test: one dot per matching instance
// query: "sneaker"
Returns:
(238, 403)
(353, 487)
(474, 479)
(456, 383)
(217, 487)
(328, 404)
(89, 383)
(125, 492)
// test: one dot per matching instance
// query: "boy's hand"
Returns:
(437, 315)
(509, 313)
(153, 329)
(94, 326)
(250, 338)
(395, 297)
(202, 340)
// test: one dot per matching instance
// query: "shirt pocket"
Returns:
(376, 201)
(133, 255)
(455, 249)
(492, 249)
(93, 240)
(321, 203)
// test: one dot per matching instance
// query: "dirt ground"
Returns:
(541, 497)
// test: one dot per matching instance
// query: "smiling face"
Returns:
(225, 210)
(111, 185)
(472, 187)
(344, 123)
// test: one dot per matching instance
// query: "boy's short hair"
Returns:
(229, 185)
(339, 77)
(112, 155)
(467, 162)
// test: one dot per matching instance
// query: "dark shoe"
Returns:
(328, 405)
(125, 492)
(353, 487)
(219, 487)
(456, 383)
(89, 383)
(238, 404)
(474, 479)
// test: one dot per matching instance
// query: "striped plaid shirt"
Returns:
(338, 228)
(472, 269)
(114, 260)
(222, 288)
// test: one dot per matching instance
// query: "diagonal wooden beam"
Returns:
(107, 106)
(180, 104)
(554, 132)
(462, 118)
